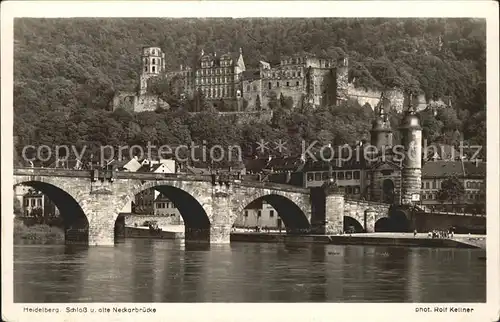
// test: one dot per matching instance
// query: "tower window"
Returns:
(298, 83)
(259, 213)
(277, 84)
(153, 61)
(146, 68)
(287, 84)
(153, 69)
(269, 85)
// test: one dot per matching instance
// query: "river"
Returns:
(142, 270)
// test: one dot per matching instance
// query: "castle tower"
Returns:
(342, 80)
(153, 64)
(381, 132)
(411, 176)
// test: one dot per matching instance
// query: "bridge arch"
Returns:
(352, 222)
(190, 198)
(291, 207)
(382, 225)
(69, 203)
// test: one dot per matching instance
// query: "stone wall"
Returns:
(294, 91)
(425, 222)
(342, 83)
(131, 102)
(149, 102)
(125, 100)
(377, 181)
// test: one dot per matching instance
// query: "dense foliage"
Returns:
(67, 71)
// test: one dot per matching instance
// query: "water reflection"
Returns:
(141, 270)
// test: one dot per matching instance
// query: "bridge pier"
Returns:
(101, 214)
(327, 211)
(369, 220)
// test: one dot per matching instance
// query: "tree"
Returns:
(18, 210)
(451, 190)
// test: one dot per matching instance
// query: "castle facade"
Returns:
(303, 78)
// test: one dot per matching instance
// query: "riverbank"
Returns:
(379, 239)
(37, 234)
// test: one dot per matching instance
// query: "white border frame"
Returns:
(230, 312)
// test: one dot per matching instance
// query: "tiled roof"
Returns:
(144, 168)
(439, 169)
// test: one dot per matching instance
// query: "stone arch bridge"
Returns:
(90, 201)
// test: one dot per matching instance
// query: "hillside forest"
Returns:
(66, 72)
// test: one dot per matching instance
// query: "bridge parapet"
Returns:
(366, 212)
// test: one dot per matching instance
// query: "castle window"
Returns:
(310, 177)
(348, 175)
(270, 86)
(248, 88)
(293, 74)
(327, 64)
(299, 74)
(277, 84)
(146, 68)
(153, 61)
(287, 84)
(356, 175)
(153, 69)
(271, 213)
(297, 83)
(341, 175)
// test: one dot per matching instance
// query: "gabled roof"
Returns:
(386, 164)
(440, 169)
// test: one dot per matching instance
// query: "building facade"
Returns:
(259, 214)
(164, 207)
(34, 203)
